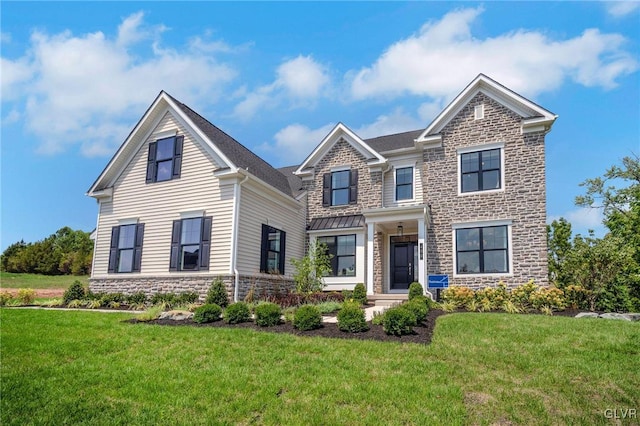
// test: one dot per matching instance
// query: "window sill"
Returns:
(489, 191)
(481, 275)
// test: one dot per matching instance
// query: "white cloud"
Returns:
(13, 117)
(85, 89)
(387, 124)
(583, 219)
(297, 141)
(445, 55)
(620, 9)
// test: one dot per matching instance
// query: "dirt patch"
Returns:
(41, 293)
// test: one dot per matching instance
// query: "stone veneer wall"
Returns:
(523, 200)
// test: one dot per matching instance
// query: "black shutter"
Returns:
(326, 190)
(264, 248)
(113, 251)
(137, 249)
(175, 245)
(205, 243)
(283, 241)
(177, 156)
(151, 162)
(353, 187)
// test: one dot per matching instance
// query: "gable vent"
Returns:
(479, 112)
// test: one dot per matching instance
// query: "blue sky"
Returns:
(77, 76)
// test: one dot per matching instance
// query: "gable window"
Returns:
(125, 254)
(404, 183)
(480, 170)
(272, 254)
(340, 188)
(190, 244)
(342, 250)
(165, 159)
(482, 250)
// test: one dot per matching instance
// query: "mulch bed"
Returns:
(422, 333)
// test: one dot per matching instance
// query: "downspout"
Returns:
(427, 219)
(234, 236)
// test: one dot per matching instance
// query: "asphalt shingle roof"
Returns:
(392, 142)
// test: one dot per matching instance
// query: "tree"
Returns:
(312, 268)
(558, 248)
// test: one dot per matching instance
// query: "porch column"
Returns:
(370, 236)
(422, 254)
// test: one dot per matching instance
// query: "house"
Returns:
(182, 202)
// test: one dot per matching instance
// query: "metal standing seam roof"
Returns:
(336, 222)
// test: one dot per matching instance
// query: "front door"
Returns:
(404, 262)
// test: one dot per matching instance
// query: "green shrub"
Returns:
(76, 291)
(329, 307)
(576, 297)
(359, 294)
(351, 318)
(268, 314)
(218, 293)
(614, 298)
(550, 298)
(5, 298)
(378, 317)
(207, 313)
(307, 317)
(187, 298)
(166, 300)
(398, 321)
(415, 289)
(418, 306)
(236, 313)
(150, 314)
(107, 299)
(138, 298)
(458, 296)
(26, 296)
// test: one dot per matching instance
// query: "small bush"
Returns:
(108, 298)
(307, 317)
(415, 289)
(207, 313)
(359, 294)
(418, 306)
(166, 300)
(548, 298)
(236, 313)
(93, 304)
(378, 317)
(76, 291)
(268, 314)
(52, 303)
(5, 298)
(521, 295)
(329, 307)
(459, 296)
(492, 298)
(576, 297)
(26, 296)
(137, 299)
(289, 314)
(351, 318)
(150, 314)
(218, 293)
(398, 321)
(75, 303)
(187, 298)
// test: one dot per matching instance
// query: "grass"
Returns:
(86, 367)
(35, 281)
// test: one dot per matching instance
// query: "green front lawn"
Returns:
(36, 281)
(66, 367)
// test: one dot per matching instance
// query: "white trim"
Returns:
(165, 134)
(370, 247)
(334, 231)
(483, 224)
(340, 169)
(128, 221)
(478, 148)
(192, 214)
(338, 283)
(478, 112)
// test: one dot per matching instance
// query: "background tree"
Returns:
(559, 247)
(312, 268)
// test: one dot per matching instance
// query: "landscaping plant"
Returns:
(398, 321)
(236, 313)
(207, 313)
(268, 314)
(415, 289)
(218, 293)
(359, 294)
(351, 318)
(26, 296)
(5, 298)
(310, 270)
(418, 306)
(76, 291)
(307, 317)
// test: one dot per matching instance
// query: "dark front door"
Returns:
(404, 259)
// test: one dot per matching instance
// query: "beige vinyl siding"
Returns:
(390, 183)
(158, 204)
(257, 209)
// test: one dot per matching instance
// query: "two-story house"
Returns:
(182, 202)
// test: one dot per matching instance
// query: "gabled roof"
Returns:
(395, 141)
(295, 183)
(534, 116)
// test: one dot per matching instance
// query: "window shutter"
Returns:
(353, 187)
(113, 250)
(175, 245)
(205, 243)
(283, 241)
(326, 190)
(137, 250)
(264, 248)
(151, 162)
(177, 156)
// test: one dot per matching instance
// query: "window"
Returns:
(404, 183)
(272, 254)
(165, 159)
(190, 244)
(342, 249)
(340, 188)
(482, 250)
(125, 254)
(480, 170)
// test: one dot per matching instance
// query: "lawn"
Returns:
(35, 281)
(64, 367)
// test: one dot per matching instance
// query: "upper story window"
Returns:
(481, 170)
(340, 188)
(165, 159)
(272, 253)
(342, 250)
(125, 254)
(482, 250)
(190, 244)
(404, 183)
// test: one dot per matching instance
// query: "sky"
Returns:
(77, 76)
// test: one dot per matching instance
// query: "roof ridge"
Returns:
(394, 134)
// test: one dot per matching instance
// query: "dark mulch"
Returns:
(422, 333)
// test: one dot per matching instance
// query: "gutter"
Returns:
(234, 234)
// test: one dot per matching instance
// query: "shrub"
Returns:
(218, 293)
(351, 318)
(418, 306)
(415, 289)
(329, 307)
(307, 317)
(378, 317)
(166, 300)
(398, 321)
(547, 298)
(207, 313)
(492, 298)
(108, 298)
(93, 304)
(5, 298)
(614, 298)
(26, 296)
(575, 297)
(289, 314)
(75, 291)
(459, 296)
(359, 294)
(187, 298)
(236, 313)
(137, 299)
(268, 314)
(150, 314)
(521, 295)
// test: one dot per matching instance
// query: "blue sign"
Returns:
(438, 281)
